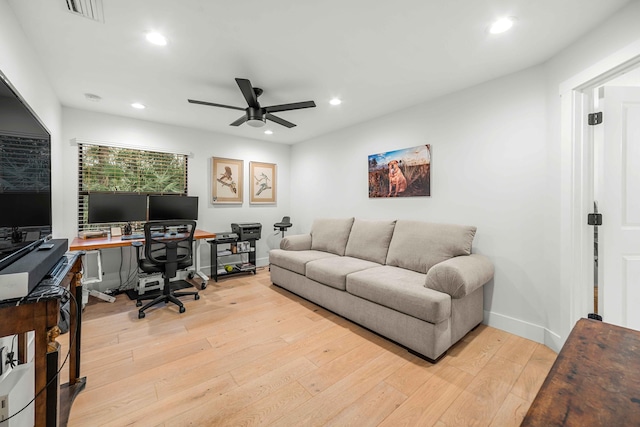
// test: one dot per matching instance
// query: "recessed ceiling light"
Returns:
(335, 101)
(501, 25)
(156, 38)
(268, 132)
(138, 105)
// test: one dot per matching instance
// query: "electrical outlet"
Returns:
(4, 408)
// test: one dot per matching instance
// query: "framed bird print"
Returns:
(263, 183)
(226, 180)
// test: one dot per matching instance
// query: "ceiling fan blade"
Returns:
(211, 104)
(248, 92)
(287, 107)
(279, 121)
(240, 121)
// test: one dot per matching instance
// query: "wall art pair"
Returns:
(227, 182)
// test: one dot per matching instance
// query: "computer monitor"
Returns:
(163, 208)
(110, 208)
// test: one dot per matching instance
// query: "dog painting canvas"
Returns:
(401, 173)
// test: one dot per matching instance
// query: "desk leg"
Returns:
(75, 328)
(199, 272)
(23, 348)
(70, 390)
(53, 398)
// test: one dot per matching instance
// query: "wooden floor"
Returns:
(249, 353)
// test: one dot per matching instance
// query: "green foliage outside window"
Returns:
(104, 169)
(113, 169)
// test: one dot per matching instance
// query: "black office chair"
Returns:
(283, 225)
(167, 254)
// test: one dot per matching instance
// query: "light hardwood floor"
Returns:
(249, 353)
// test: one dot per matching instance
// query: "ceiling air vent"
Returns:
(91, 9)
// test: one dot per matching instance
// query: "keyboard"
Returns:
(139, 236)
(132, 236)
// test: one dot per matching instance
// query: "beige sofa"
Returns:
(415, 283)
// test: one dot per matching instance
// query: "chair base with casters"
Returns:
(167, 296)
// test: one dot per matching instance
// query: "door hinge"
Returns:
(595, 118)
(594, 219)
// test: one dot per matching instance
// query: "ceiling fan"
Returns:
(255, 115)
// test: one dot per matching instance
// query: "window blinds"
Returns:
(105, 169)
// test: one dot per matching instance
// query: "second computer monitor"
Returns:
(162, 208)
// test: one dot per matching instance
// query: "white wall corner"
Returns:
(523, 329)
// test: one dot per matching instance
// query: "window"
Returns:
(105, 169)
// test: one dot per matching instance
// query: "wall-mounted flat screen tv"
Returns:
(25, 176)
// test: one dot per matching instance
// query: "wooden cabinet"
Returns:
(595, 381)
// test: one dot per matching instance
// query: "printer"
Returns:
(247, 230)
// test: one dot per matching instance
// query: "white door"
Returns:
(618, 188)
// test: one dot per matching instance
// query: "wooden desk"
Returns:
(79, 244)
(117, 242)
(595, 381)
(41, 315)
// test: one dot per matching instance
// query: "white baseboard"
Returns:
(524, 329)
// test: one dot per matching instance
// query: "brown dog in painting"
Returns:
(397, 181)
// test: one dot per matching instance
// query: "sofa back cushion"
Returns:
(331, 234)
(369, 240)
(418, 246)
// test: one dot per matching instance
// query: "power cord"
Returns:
(71, 343)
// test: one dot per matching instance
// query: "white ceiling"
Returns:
(379, 57)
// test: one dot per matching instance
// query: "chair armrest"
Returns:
(296, 242)
(138, 246)
(461, 275)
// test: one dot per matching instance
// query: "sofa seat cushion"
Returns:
(296, 261)
(401, 290)
(334, 271)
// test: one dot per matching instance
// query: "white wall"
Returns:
(487, 169)
(204, 145)
(19, 63)
(609, 37)
(496, 164)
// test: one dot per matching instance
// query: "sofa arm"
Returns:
(296, 242)
(460, 276)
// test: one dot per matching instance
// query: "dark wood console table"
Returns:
(595, 381)
(39, 312)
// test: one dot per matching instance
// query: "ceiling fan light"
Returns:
(256, 123)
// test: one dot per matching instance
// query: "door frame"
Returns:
(577, 174)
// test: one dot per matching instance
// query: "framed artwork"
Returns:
(401, 173)
(263, 182)
(226, 182)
